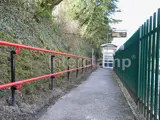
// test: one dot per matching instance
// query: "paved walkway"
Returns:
(98, 98)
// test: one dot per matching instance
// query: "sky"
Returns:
(133, 14)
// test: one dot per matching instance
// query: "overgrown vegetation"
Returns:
(94, 16)
(36, 27)
(31, 22)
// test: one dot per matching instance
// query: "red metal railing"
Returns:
(19, 47)
(21, 82)
(16, 85)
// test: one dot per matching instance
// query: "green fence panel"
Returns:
(130, 52)
(138, 66)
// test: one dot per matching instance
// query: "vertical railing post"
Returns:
(95, 63)
(52, 72)
(141, 69)
(77, 67)
(13, 77)
(68, 73)
(149, 70)
(82, 65)
(86, 65)
(92, 57)
(153, 67)
(91, 64)
(146, 66)
(139, 61)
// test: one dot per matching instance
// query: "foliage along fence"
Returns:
(141, 77)
(16, 85)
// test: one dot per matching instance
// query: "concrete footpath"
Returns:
(98, 98)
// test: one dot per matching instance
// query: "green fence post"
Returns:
(146, 67)
(143, 68)
(149, 69)
(153, 64)
(157, 68)
(139, 71)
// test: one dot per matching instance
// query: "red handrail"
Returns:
(20, 46)
(21, 82)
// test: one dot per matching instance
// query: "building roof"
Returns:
(108, 45)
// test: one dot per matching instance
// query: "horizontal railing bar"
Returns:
(20, 46)
(21, 82)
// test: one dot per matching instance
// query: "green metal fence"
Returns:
(137, 65)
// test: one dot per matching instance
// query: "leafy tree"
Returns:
(94, 17)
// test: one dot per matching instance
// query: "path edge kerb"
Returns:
(128, 98)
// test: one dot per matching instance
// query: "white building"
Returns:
(108, 51)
